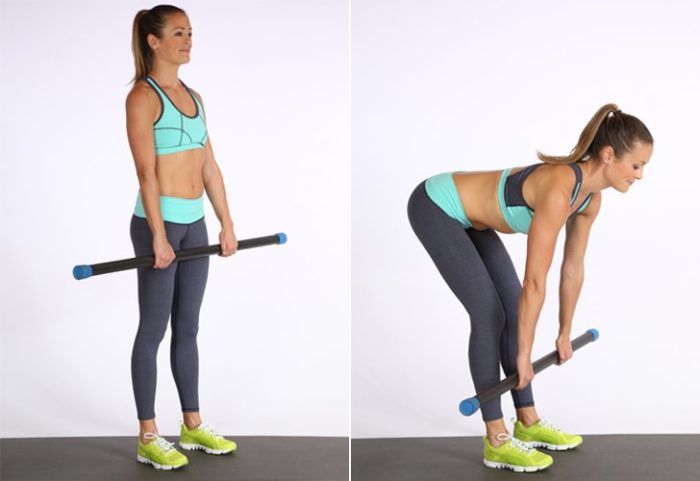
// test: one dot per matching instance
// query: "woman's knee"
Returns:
(150, 335)
(186, 330)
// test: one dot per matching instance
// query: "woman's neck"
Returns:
(593, 176)
(165, 75)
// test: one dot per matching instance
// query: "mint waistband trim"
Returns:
(441, 189)
(175, 209)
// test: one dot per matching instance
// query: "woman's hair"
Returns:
(609, 126)
(148, 22)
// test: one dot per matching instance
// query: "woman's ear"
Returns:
(152, 41)
(607, 154)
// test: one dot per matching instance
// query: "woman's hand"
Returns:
(565, 349)
(163, 252)
(525, 371)
(228, 241)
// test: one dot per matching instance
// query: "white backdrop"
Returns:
(274, 327)
(467, 85)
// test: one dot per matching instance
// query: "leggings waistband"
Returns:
(175, 209)
(441, 189)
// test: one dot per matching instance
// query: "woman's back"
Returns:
(482, 193)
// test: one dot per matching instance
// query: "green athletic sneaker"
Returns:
(514, 454)
(160, 453)
(543, 434)
(203, 437)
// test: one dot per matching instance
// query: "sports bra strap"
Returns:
(577, 187)
(154, 85)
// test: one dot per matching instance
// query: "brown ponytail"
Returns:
(148, 22)
(609, 126)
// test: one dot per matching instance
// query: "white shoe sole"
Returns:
(164, 467)
(552, 447)
(199, 447)
(517, 469)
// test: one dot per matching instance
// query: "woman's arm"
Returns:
(578, 229)
(140, 112)
(216, 192)
(551, 212)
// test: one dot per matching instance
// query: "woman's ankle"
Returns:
(147, 426)
(493, 429)
(192, 420)
(144, 440)
(527, 415)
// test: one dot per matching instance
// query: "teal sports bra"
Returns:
(175, 131)
(517, 214)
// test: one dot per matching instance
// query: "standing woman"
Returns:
(175, 164)
(457, 216)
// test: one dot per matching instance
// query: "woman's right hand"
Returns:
(163, 252)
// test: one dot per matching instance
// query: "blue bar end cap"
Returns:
(469, 406)
(82, 272)
(282, 237)
(594, 333)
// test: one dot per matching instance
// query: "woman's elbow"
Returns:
(572, 272)
(210, 173)
(535, 285)
(146, 175)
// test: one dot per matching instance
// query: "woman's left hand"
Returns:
(566, 351)
(228, 241)
(525, 371)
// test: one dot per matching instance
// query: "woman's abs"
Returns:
(180, 174)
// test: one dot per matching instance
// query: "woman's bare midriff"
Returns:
(479, 194)
(180, 174)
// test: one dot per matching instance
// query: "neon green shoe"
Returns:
(543, 434)
(160, 453)
(203, 437)
(515, 455)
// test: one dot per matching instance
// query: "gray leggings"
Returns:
(174, 293)
(478, 269)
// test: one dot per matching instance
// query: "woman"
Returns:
(456, 217)
(175, 164)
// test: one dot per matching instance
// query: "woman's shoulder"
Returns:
(550, 183)
(141, 95)
(195, 93)
(141, 88)
(557, 174)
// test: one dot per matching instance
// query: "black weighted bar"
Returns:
(85, 271)
(471, 405)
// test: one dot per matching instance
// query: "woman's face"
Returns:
(176, 42)
(624, 171)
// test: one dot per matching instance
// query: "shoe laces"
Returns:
(162, 443)
(516, 443)
(209, 430)
(549, 425)
(545, 423)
